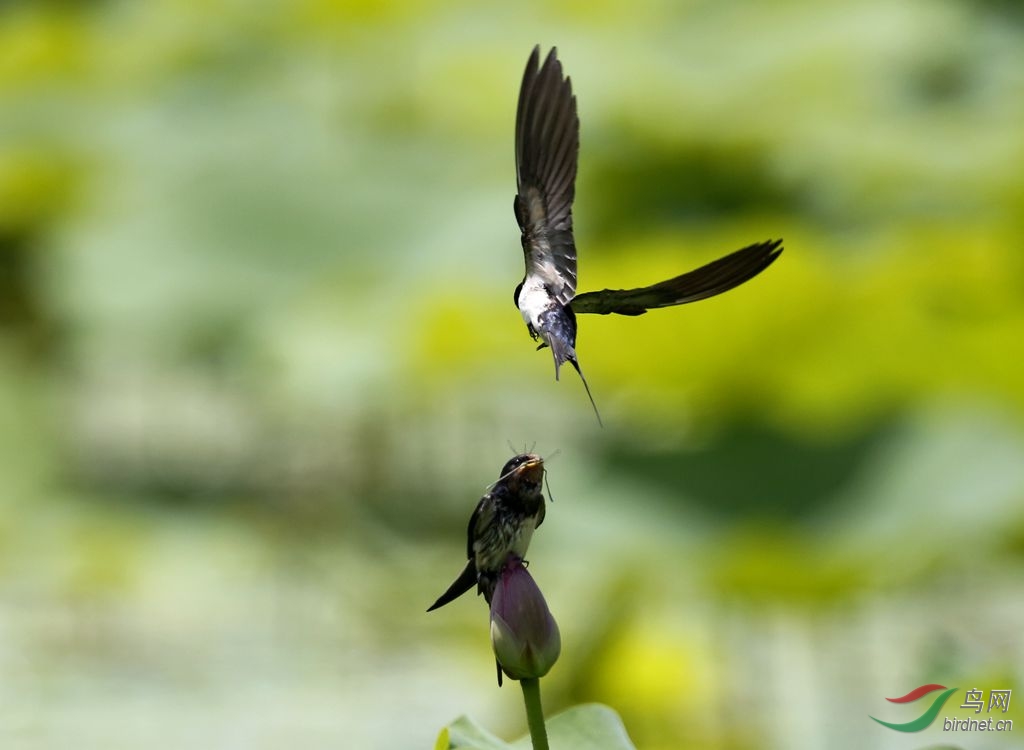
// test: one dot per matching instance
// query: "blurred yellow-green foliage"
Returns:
(259, 358)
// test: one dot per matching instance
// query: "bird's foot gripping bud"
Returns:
(524, 634)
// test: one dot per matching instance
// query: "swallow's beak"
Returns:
(531, 471)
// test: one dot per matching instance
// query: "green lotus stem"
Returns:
(534, 713)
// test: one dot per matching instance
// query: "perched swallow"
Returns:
(547, 149)
(502, 524)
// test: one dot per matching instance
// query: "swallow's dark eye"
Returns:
(513, 463)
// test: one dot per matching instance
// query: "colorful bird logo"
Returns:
(928, 716)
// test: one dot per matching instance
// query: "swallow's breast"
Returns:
(509, 534)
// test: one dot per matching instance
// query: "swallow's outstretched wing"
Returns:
(547, 147)
(707, 281)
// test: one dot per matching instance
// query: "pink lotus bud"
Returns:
(523, 632)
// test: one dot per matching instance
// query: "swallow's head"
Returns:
(524, 472)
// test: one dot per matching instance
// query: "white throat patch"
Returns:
(533, 300)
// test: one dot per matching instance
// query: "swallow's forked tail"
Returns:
(559, 332)
(560, 339)
(597, 414)
(467, 579)
(563, 352)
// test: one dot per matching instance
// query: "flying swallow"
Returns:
(547, 150)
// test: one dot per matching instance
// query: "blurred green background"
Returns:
(259, 359)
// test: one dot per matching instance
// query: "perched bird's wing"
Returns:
(707, 281)
(483, 516)
(547, 146)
